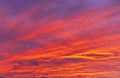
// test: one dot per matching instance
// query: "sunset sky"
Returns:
(59, 38)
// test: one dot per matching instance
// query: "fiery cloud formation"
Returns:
(59, 38)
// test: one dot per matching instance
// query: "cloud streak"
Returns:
(59, 38)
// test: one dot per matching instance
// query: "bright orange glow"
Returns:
(59, 39)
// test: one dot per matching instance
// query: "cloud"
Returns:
(59, 38)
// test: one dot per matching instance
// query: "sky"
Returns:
(59, 38)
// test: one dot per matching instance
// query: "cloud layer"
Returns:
(59, 38)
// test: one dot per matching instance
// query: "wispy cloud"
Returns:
(59, 38)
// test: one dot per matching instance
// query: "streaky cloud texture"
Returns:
(59, 38)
